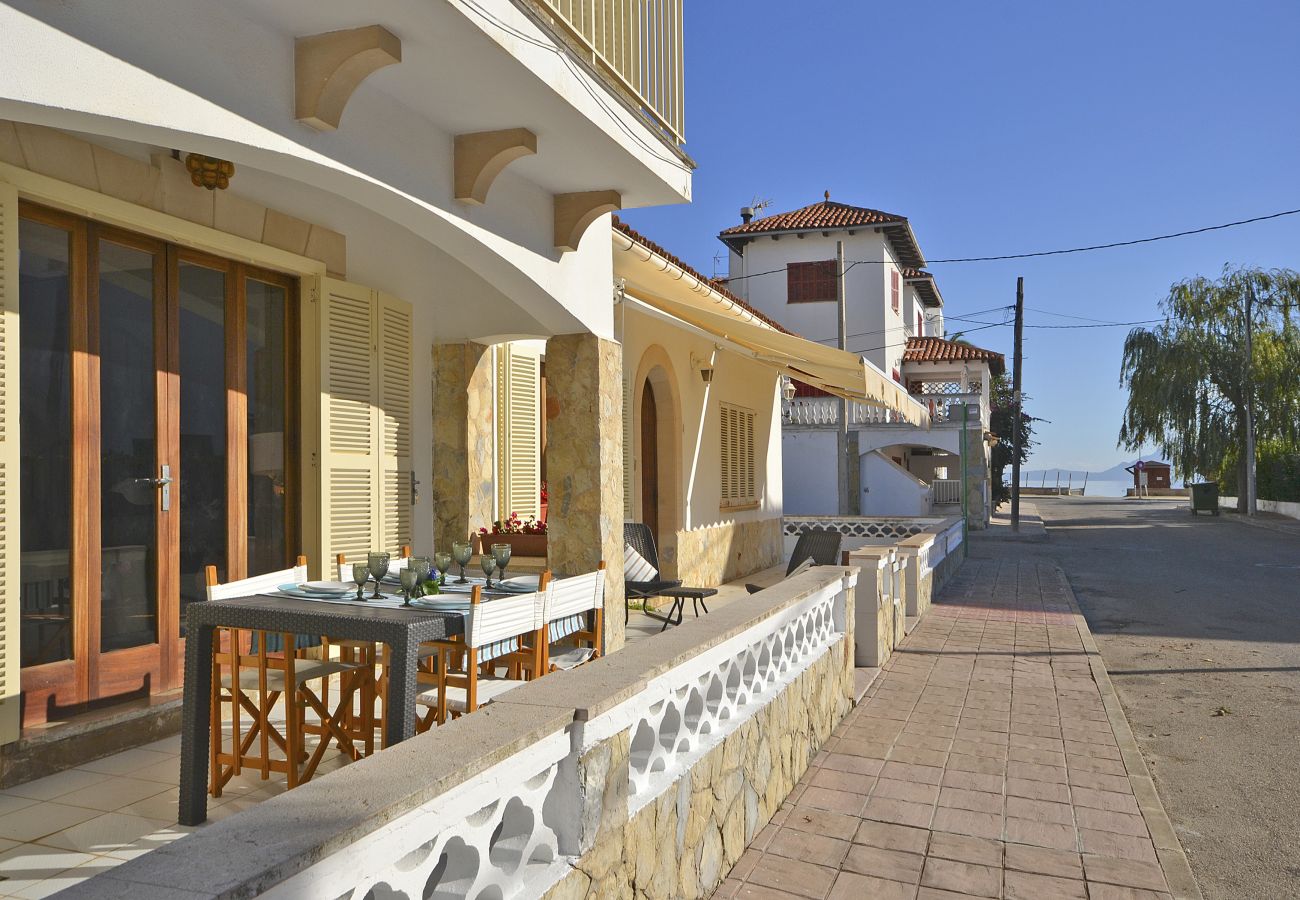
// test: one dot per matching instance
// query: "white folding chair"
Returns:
(575, 611)
(242, 668)
(494, 630)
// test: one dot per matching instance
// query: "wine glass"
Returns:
(422, 566)
(409, 578)
(378, 563)
(501, 556)
(488, 565)
(443, 562)
(361, 574)
(462, 552)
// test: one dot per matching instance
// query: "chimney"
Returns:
(746, 214)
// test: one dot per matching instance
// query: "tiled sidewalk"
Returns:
(982, 763)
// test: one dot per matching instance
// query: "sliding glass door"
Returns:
(157, 439)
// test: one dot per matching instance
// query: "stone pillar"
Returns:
(584, 465)
(462, 441)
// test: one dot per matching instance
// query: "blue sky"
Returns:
(1003, 128)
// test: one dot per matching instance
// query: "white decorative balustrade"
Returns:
(860, 526)
(690, 709)
(824, 412)
(495, 835)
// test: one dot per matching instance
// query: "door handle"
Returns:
(163, 481)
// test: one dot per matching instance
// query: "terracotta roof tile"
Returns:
(933, 349)
(629, 231)
(827, 214)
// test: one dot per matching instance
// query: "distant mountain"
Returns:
(1114, 473)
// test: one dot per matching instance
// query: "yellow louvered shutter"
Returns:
(518, 437)
(394, 412)
(349, 464)
(10, 539)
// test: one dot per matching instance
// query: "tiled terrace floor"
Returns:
(982, 763)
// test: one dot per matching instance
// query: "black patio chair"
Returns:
(637, 534)
(820, 545)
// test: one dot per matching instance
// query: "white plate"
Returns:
(329, 587)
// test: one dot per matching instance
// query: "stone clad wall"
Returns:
(716, 554)
(683, 843)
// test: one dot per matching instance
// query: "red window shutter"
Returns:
(810, 282)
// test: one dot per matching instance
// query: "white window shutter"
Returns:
(394, 413)
(349, 461)
(10, 539)
(518, 432)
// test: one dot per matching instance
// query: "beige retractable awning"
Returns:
(661, 283)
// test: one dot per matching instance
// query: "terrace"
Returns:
(522, 795)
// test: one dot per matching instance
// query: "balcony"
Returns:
(824, 412)
(636, 48)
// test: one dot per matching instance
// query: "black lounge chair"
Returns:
(638, 536)
(817, 544)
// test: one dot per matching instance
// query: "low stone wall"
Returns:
(715, 554)
(643, 774)
(1281, 507)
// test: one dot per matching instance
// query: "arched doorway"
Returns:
(650, 462)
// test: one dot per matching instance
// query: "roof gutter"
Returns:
(645, 254)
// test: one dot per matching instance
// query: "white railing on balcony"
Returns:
(945, 490)
(825, 411)
(638, 43)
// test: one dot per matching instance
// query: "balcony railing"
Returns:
(636, 43)
(945, 490)
(825, 411)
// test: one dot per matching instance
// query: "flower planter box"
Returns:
(520, 544)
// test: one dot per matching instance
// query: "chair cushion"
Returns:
(636, 567)
(801, 568)
(572, 658)
(488, 690)
(304, 670)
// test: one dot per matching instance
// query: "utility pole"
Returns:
(1016, 436)
(842, 436)
(1251, 504)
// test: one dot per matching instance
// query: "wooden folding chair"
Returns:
(494, 630)
(252, 672)
(576, 612)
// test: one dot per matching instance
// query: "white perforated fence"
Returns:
(686, 712)
(501, 834)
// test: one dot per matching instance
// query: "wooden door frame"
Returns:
(77, 683)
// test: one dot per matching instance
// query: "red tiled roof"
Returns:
(924, 284)
(827, 214)
(933, 349)
(911, 274)
(629, 231)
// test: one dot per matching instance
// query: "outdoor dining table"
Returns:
(403, 629)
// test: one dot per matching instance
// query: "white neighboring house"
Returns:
(784, 266)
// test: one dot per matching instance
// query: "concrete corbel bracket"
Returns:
(574, 213)
(329, 67)
(483, 155)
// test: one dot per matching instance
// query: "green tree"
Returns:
(1188, 378)
(1002, 415)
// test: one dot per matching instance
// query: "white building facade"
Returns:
(785, 265)
(257, 262)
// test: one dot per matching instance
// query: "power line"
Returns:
(1061, 252)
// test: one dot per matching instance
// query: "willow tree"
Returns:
(1191, 381)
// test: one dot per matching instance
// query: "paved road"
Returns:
(1196, 617)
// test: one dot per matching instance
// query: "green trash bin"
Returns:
(1205, 497)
